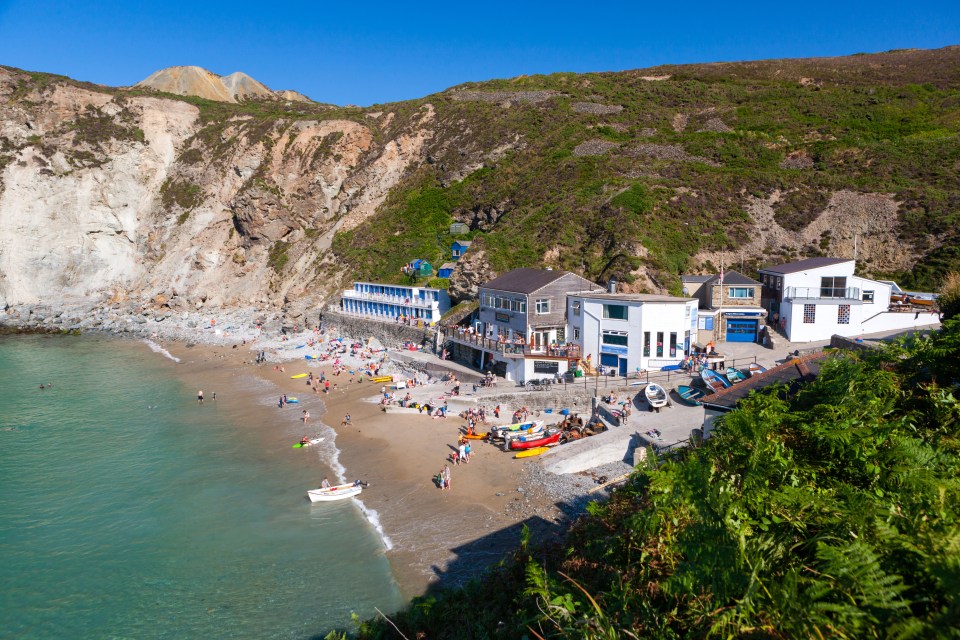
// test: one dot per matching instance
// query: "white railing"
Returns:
(822, 293)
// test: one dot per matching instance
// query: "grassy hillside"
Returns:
(619, 174)
(833, 511)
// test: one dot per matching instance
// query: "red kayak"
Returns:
(539, 442)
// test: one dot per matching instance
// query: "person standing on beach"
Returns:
(446, 476)
(462, 452)
(306, 416)
(199, 396)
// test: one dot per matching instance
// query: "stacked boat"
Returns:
(656, 397)
(714, 381)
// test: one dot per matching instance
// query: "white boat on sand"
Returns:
(338, 492)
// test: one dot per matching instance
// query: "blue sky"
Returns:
(370, 52)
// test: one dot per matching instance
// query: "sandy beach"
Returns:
(432, 536)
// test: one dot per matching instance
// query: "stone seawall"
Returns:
(390, 334)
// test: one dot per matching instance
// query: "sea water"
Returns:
(127, 510)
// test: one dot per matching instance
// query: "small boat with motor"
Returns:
(337, 492)
(753, 369)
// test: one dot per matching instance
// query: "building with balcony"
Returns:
(813, 299)
(393, 302)
(520, 329)
(729, 311)
(631, 332)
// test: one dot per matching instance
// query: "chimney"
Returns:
(612, 285)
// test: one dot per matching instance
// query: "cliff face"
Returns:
(105, 195)
(111, 194)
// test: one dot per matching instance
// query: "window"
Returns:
(659, 344)
(576, 334)
(741, 292)
(646, 344)
(809, 313)
(575, 305)
(868, 297)
(705, 323)
(519, 306)
(615, 337)
(543, 306)
(561, 335)
(673, 345)
(615, 311)
(833, 287)
(843, 314)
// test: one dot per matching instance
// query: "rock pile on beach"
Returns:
(558, 496)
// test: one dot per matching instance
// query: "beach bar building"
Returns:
(520, 329)
(632, 332)
(391, 301)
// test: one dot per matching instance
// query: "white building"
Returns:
(813, 299)
(632, 332)
(393, 301)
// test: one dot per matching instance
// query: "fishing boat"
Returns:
(499, 430)
(714, 380)
(656, 396)
(735, 375)
(753, 369)
(338, 492)
(690, 395)
(523, 443)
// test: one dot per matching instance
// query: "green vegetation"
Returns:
(185, 195)
(277, 257)
(832, 510)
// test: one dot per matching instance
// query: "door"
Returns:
(623, 367)
(740, 330)
(610, 362)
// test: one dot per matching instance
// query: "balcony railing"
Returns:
(822, 293)
(516, 349)
(379, 297)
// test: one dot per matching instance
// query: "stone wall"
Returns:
(390, 334)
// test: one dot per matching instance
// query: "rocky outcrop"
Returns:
(198, 82)
(471, 271)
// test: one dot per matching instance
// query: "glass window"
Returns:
(615, 337)
(615, 311)
(868, 296)
(833, 287)
(576, 333)
(646, 344)
(809, 313)
(673, 345)
(843, 314)
(575, 305)
(659, 344)
(705, 323)
(543, 306)
(741, 292)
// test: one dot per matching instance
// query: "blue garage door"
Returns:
(741, 330)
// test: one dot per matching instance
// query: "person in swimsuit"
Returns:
(200, 396)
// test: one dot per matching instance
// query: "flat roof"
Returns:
(804, 265)
(629, 297)
(399, 286)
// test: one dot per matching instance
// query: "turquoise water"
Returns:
(128, 511)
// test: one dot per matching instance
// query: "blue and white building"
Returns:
(391, 301)
(632, 331)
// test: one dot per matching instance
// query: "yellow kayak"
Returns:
(527, 453)
(300, 375)
(382, 379)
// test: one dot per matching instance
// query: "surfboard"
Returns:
(300, 375)
(292, 401)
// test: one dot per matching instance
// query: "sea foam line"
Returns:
(158, 349)
(370, 514)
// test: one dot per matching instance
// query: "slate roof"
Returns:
(804, 265)
(729, 278)
(802, 369)
(525, 280)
